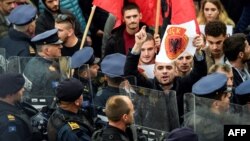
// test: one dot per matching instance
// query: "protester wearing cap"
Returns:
(13, 125)
(242, 93)
(211, 107)
(18, 40)
(112, 66)
(43, 70)
(68, 122)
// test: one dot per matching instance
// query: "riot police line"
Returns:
(155, 111)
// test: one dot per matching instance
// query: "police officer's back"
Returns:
(113, 67)
(14, 124)
(68, 123)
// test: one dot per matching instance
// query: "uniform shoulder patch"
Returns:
(11, 117)
(73, 125)
(11, 129)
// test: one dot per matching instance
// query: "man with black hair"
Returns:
(215, 33)
(123, 37)
(46, 19)
(6, 6)
(237, 51)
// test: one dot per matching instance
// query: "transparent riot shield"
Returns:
(85, 75)
(2, 60)
(208, 116)
(246, 112)
(107, 86)
(41, 78)
(156, 112)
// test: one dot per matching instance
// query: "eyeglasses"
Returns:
(65, 18)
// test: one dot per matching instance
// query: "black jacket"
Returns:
(116, 43)
(16, 43)
(14, 124)
(46, 21)
(67, 126)
(112, 133)
(181, 85)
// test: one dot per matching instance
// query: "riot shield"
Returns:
(2, 60)
(208, 116)
(41, 78)
(156, 112)
(246, 112)
(108, 86)
(84, 75)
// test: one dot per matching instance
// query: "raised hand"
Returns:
(141, 36)
(198, 42)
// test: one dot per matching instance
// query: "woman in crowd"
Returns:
(213, 10)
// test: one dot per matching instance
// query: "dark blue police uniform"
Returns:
(112, 66)
(209, 125)
(14, 124)
(17, 43)
(43, 73)
(65, 125)
(80, 61)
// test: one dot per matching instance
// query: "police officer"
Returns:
(43, 70)
(212, 107)
(18, 40)
(242, 93)
(120, 111)
(68, 123)
(113, 67)
(14, 124)
(86, 67)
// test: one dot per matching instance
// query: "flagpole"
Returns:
(157, 17)
(87, 26)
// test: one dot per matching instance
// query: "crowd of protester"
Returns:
(42, 55)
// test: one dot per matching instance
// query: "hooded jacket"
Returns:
(46, 20)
